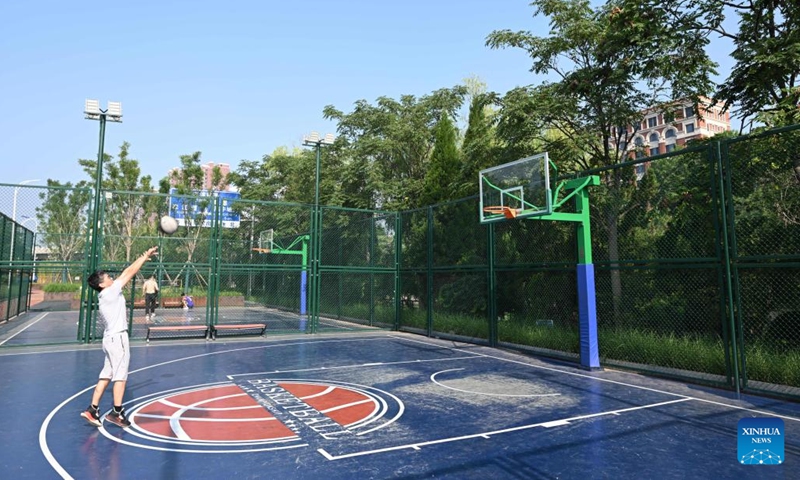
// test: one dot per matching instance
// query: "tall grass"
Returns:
(61, 287)
(692, 352)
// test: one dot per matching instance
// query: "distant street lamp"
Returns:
(16, 191)
(28, 219)
(314, 140)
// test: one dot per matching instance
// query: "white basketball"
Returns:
(168, 225)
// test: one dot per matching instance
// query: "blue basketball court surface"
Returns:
(368, 405)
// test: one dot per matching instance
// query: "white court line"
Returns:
(48, 455)
(548, 424)
(524, 395)
(345, 367)
(60, 470)
(600, 379)
(26, 327)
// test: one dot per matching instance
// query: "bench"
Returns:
(177, 328)
(259, 328)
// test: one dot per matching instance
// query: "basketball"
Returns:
(167, 225)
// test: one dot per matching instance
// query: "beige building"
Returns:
(661, 132)
(208, 170)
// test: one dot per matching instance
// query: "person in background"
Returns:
(188, 305)
(150, 290)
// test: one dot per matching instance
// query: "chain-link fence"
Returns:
(696, 253)
(16, 267)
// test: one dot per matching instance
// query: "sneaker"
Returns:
(92, 416)
(119, 419)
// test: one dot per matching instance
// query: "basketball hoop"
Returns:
(508, 212)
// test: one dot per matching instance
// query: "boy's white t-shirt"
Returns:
(111, 304)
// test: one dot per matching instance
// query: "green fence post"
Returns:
(372, 275)
(398, 252)
(429, 269)
(724, 200)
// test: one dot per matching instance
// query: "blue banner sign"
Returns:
(199, 208)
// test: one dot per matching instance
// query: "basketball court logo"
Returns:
(761, 441)
(258, 414)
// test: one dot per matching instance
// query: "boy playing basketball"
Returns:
(112, 312)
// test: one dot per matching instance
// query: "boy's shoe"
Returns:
(119, 419)
(92, 416)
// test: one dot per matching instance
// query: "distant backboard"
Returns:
(266, 240)
(517, 189)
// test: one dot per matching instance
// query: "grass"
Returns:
(704, 354)
(194, 292)
(765, 364)
(684, 352)
(61, 287)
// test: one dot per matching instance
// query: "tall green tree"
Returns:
(188, 182)
(605, 72)
(128, 212)
(391, 142)
(445, 165)
(764, 84)
(479, 148)
(62, 219)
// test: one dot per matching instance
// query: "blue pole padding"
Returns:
(303, 299)
(587, 312)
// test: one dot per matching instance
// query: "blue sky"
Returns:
(234, 80)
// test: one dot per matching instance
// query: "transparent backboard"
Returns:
(266, 240)
(517, 189)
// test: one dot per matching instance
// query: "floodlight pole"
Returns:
(314, 140)
(93, 112)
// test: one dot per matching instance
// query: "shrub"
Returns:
(62, 287)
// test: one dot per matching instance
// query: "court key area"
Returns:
(382, 405)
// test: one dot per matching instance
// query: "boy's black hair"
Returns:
(95, 279)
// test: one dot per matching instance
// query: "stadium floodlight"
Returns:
(114, 111)
(92, 109)
(311, 140)
(329, 139)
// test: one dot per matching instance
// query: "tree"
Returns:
(127, 214)
(62, 218)
(187, 183)
(607, 71)
(390, 144)
(764, 84)
(479, 148)
(445, 164)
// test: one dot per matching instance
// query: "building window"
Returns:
(640, 169)
(638, 141)
(653, 151)
(654, 137)
(652, 122)
(689, 111)
(639, 154)
(689, 127)
(670, 147)
(671, 133)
